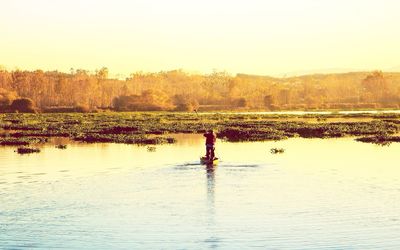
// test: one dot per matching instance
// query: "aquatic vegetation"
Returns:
(7, 141)
(46, 133)
(61, 146)
(25, 150)
(380, 139)
(236, 134)
(13, 142)
(336, 129)
(127, 139)
(120, 130)
(277, 150)
(20, 126)
(140, 127)
(151, 149)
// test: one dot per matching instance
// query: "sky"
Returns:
(264, 37)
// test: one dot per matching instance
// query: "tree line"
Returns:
(177, 90)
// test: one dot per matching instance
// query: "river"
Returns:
(318, 194)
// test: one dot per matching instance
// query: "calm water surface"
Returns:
(315, 112)
(319, 194)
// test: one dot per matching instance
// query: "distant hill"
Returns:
(355, 75)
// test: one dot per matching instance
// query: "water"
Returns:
(319, 194)
(351, 112)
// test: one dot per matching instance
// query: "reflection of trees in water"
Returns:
(188, 139)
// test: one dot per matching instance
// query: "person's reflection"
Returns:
(211, 186)
(212, 241)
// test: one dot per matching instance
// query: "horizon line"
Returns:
(297, 73)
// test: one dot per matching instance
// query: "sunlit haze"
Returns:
(255, 36)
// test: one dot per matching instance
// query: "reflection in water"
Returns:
(212, 240)
(210, 170)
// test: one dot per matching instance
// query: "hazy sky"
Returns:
(268, 37)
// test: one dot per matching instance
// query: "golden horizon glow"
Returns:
(255, 36)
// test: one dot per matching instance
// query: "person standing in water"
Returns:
(210, 144)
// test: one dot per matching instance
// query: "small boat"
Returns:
(204, 160)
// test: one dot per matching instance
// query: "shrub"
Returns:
(241, 102)
(23, 105)
(149, 100)
(185, 103)
(81, 109)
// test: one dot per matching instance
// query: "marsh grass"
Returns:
(383, 140)
(154, 127)
(7, 141)
(26, 150)
(277, 150)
